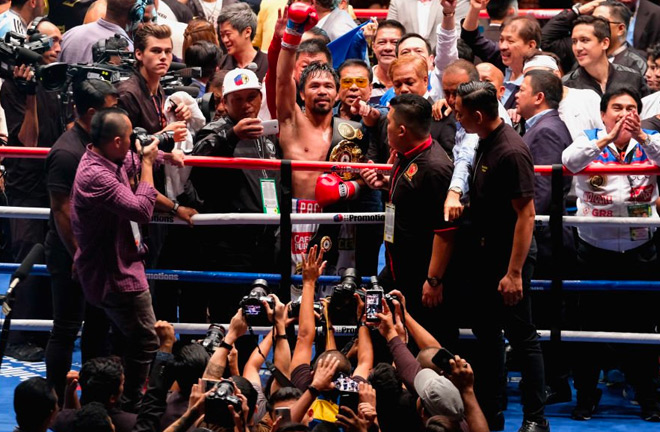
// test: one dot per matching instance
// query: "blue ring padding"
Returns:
(235, 277)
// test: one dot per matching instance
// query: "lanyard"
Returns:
(159, 110)
(261, 152)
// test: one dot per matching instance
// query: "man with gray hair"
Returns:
(237, 25)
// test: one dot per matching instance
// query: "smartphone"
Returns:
(285, 413)
(271, 127)
(209, 384)
(173, 106)
(349, 399)
(373, 304)
(441, 360)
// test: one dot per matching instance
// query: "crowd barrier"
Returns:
(556, 220)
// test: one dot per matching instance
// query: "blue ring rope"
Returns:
(235, 277)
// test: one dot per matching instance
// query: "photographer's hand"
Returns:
(313, 265)
(324, 373)
(237, 327)
(386, 324)
(166, 335)
(175, 158)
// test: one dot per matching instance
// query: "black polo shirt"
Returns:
(418, 188)
(61, 165)
(503, 170)
(144, 110)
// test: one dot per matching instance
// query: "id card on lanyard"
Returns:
(269, 196)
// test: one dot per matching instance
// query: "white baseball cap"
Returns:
(240, 79)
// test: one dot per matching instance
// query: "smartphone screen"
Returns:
(373, 304)
(441, 360)
(285, 413)
(209, 384)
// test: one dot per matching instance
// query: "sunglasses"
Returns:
(348, 82)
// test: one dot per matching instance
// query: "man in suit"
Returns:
(643, 31)
(546, 136)
(418, 16)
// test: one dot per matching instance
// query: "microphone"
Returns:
(23, 271)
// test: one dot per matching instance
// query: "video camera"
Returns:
(294, 310)
(252, 304)
(173, 81)
(216, 404)
(17, 49)
(113, 50)
(165, 139)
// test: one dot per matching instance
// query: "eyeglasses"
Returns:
(348, 82)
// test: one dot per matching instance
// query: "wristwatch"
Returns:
(175, 208)
(434, 281)
(456, 189)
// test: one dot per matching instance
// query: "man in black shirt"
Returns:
(502, 216)
(418, 240)
(68, 301)
(33, 120)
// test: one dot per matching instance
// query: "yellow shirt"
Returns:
(266, 23)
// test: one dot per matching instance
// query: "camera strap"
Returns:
(274, 370)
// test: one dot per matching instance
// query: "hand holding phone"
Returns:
(271, 127)
(441, 360)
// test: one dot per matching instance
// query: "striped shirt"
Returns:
(11, 21)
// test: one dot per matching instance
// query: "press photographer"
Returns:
(32, 120)
(105, 212)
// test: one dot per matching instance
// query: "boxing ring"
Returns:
(556, 221)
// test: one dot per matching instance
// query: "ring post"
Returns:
(286, 198)
(557, 236)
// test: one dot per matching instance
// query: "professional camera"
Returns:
(214, 337)
(114, 50)
(177, 79)
(252, 304)
(216, 404)
(343, 306)
(17, 49)
(294, 309)
(206, 105)
(165, 139)
(57, 77)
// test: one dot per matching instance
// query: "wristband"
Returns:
(175, 208)
(313, 390)
(226, 346)
(280, 337)
(449, 14)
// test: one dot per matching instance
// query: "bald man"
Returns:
(491, 73)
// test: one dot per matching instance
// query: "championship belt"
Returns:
(346, 139)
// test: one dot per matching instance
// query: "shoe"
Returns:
(496, 422)
(587, 406)
(532, 426)
(651, 412)
(25, 352)
(558, 394)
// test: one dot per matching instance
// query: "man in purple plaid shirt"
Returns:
(105, 213)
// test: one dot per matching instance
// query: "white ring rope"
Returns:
(566, 335)
(324, 218)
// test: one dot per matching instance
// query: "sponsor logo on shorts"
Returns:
(642, 193)
(597, 199)
(300, 241)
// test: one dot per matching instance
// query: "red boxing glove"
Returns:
(302, 17)
(330, 188)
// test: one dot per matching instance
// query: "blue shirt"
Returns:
(389, 94)
(11, 21)
(530, 122)
(510, 86)
(631, 26)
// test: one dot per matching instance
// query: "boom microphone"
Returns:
(23, 271)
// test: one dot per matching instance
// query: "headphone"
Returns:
(32, 29)
(136, 14)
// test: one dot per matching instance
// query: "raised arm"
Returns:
(484, 48)
(420, 335)
(282, 354)
(218, 362)
(301, 17)
(313, 266)
(446, 50)
(252, 366)
(273, 55)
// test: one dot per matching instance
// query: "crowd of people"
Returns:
(462, 109)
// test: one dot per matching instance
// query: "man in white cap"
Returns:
(437, 396)
(240, 248)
